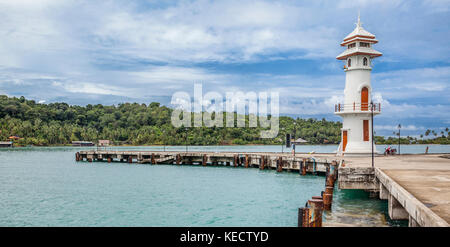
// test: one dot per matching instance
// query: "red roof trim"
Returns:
(362, 36)
(364, 40)
(358, 53)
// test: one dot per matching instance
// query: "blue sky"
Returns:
(142, 51)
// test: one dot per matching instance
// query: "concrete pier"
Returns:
(279, 161)
(417, 187)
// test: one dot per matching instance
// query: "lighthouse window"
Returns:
(364, 44)
(365, 61)
(351, 45)
(349, 62)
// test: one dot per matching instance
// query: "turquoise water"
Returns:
(46, 187)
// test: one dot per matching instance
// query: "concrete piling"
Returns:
(280, 164)
(327, 201)
(204, 160)
(178, 159)
(304, 217)
(262, 162)
(153, 159)
(329, 190)
(246, 161)
(304, 167)
(317, 209)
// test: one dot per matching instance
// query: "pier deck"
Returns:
(417, 186)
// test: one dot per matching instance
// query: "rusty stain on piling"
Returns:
(317, 206)
(204, 160)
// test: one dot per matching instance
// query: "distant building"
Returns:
(299, 141)
(82, 143)
(104, 143)
(6, 144)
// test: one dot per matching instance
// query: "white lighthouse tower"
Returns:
(356, 110)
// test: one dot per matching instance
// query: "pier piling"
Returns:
(317, 206)
(327, 201)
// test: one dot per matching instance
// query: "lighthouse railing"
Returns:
(357, 107)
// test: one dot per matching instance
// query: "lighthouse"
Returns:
(357, 110)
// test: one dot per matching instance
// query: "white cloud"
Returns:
(130, 49)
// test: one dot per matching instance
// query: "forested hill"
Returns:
(134, 124)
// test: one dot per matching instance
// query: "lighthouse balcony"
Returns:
(357, 108)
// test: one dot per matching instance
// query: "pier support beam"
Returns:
(396, 210)
(384, 193)
(412, 222)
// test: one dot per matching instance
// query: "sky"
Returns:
(89, 52)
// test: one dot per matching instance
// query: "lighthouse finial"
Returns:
(358, 24)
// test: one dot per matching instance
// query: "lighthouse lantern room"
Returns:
(356, 110)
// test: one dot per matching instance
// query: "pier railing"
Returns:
(357, 107)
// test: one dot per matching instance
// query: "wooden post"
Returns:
(178, 161)
(327, 201)
(204, 160)
(153, 159)
(77, 156)
(235, 162)
(130, 159)
(317, 209)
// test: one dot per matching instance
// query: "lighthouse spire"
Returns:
(359, 23)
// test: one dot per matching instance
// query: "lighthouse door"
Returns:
(364, 99)
(366, 130)
(344, 139)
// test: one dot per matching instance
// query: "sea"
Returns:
(44, 186)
